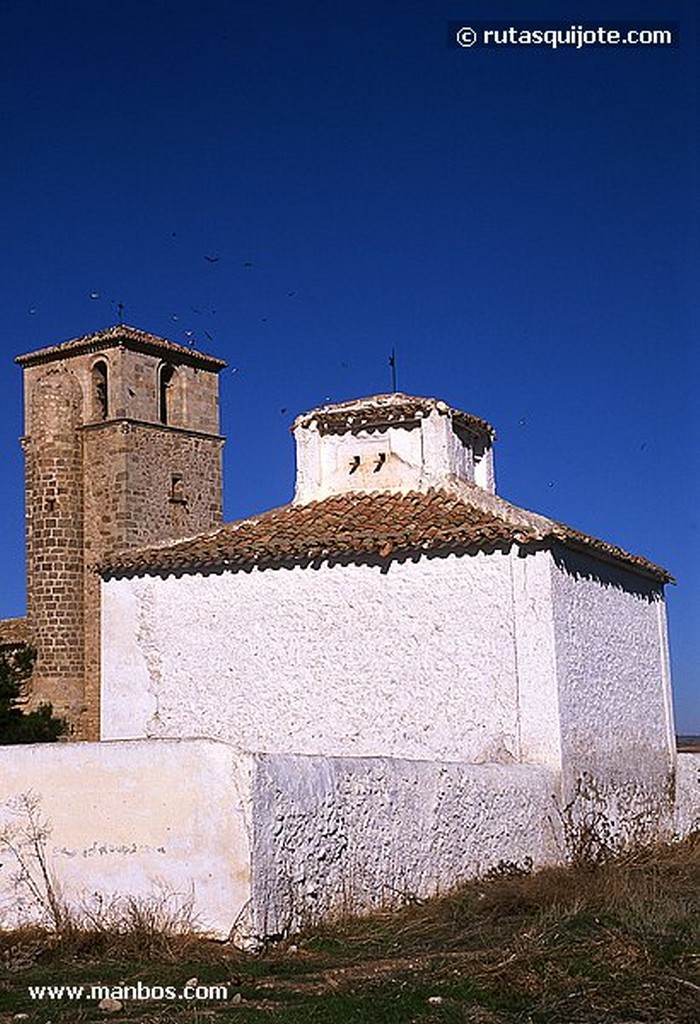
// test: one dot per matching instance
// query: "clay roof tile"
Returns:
(364, 524)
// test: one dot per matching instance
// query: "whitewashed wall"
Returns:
(494, 658)
(258, 843)
(687, 810)
(263, 843)
(428, 453)
(614, 688)
(422, 661)
(343, 834)
(138, 819)
(491, 658)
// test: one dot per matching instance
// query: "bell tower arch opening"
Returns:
(100, 390)
(168, 383)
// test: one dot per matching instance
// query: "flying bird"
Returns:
(212, 259)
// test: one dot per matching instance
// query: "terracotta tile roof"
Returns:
(378, 524)
(578, 541)
(365, 413)
(121, 334)
(13, 632)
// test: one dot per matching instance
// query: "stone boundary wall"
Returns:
(333, 835)
(261, 844)
(163, 818)
(687, 814)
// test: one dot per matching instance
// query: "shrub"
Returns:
(17, 726)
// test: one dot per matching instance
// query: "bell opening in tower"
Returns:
(100, 395)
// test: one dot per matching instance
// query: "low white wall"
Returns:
(687, 816)
(340, 834)
(264, 843)
(134, 818)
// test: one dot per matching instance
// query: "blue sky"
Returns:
(520, 225)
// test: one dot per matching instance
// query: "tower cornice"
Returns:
(126, 423)
(381, 411)
(122, 336)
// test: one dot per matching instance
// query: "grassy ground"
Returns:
(617, 943)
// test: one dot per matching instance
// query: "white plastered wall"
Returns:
(348, 834)
(427, 453)
(687, 811)
(264, 843)
(261, 843)
(443, 658)
(611, 654)
(166, 819)
(535, 656)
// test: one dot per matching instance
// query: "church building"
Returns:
(397, 619)
(397, 607)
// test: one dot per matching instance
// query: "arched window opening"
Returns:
(100, 399)
(167, 384)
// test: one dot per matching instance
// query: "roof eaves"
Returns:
(417, 522)
(112, 337)
(383, 410)
(610, 553)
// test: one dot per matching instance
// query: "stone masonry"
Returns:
(122, 449)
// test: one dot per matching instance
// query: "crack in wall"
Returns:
(147, 644)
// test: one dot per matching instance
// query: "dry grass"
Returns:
(615, 943)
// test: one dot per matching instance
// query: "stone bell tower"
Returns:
(122, 450)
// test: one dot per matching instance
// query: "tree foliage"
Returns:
(16, 726)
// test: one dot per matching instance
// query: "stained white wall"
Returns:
(428, 453)
(613, 680)
(138, 819)
(264, 843)
(417, 662)
(687, 809)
